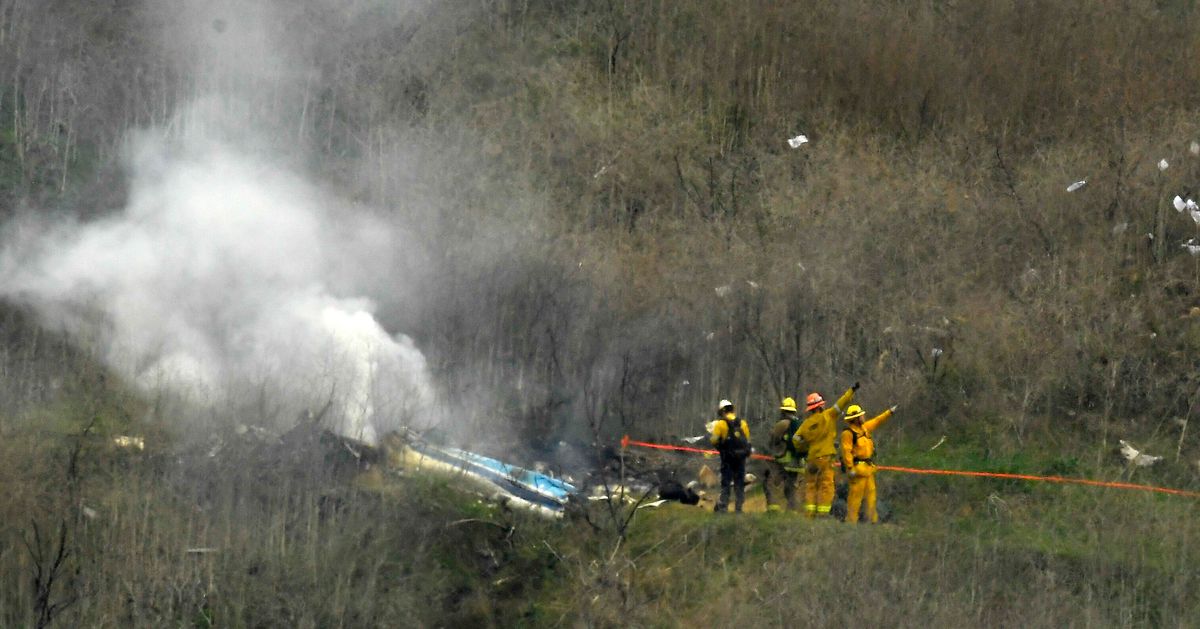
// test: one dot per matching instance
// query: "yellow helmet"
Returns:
(854, 412)
(788, 405)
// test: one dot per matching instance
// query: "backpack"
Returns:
(793, 426)
(736, 445)
(854, 444)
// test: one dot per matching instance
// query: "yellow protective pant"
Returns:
(862, 485)
(818, 486)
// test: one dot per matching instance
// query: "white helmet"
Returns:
(724, 404)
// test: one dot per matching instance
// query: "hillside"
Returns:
(531, 227)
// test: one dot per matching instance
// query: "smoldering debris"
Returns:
(220, 279)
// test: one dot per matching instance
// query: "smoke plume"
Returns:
(216, 281)
(227, 277)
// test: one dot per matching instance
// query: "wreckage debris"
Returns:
(798, 141)
(1136, 457)
(673, 490)
(527, 489)
(129, 443)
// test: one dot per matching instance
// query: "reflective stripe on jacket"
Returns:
(819, 430)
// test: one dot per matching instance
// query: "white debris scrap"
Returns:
(129, 443)
(722, 291)
(1120, 228)
(1179, 203)
(695, 439)
(651, 505)
(1139, 459)
(1163, 165)
(1195, 216)
(1192, 247)
(937, 351)
(1191, 205)
(1194, 149)
(798, 141)
(1077, 185)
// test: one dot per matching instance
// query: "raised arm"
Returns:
(878, 420)
(844, 401)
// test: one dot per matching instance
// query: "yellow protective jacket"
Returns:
(819, 430)
(862, 447)
(721, 431)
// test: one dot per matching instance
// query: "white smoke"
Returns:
(220, 279)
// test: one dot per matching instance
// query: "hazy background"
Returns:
(531, 226)
(585, 215)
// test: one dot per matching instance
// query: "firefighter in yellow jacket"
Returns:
(858, 460)
(731, 436)
(817, 435)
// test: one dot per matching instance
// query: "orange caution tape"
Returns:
(626, 442)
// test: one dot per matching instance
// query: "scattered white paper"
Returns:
(722, 291)
(1077, 185)
(798, 141)
(1194, 149)
(1163, 165)
(1179, 203)
(1140, 459)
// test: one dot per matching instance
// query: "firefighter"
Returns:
(858, 459)
(786, 461)
(731, 436)
(817, 434)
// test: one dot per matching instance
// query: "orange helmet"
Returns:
(814, 402)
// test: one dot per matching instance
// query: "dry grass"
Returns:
(591, 172)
